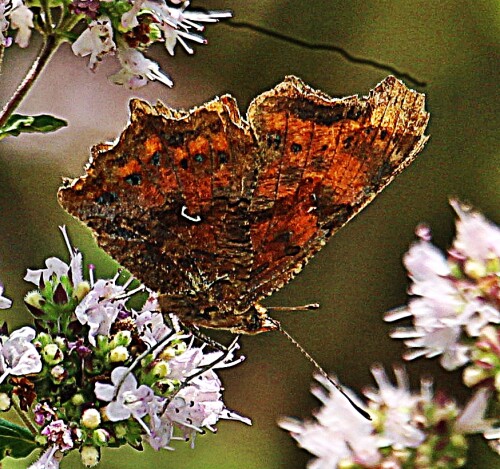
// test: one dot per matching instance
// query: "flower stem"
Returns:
(50, 45)
(24, 418)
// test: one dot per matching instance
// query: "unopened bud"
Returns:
(118, 354)
(52, 354)
(91, 418)
(4, 402)
(90, 456)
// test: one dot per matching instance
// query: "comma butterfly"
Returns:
(215, 212)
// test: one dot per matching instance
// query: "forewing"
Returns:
(321, 160)
(169, 201)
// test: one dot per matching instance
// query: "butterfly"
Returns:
(215, 212)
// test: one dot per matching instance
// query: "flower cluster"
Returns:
(125, 28)
(456, 314)
(456, 297)
(96, 372)
(409, 430)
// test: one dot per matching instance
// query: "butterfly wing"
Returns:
(321, 160)
(169, 201)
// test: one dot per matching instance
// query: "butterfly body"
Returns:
(216, 212)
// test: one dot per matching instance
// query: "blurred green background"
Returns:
(451, 45)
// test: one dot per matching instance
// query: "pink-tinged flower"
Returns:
(48, 460)
(124, 397)
(59, 434)
(96, 41)
(5, 303)
(150, 323)
(21, 18)
(137, 70)
(18, 356)
(43, 413)
(338, 434)
(454, 296)
(477, 238)
(471, 419)
(100, 307)
(397, 408)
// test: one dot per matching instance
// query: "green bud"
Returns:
(81, 290)
(100, 437)
(118, 354)
(43, 339)
(52, 354)
(34, 301)
(160, 369)
(78, 399)
(121, 430)
(121, 338)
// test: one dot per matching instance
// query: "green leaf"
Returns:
(17, 124)
(15, 441)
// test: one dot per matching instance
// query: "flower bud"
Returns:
(90, 456)
(100, 437)
(52, 354)
(61, 342)
(91, 418)
(4, 402)
(58, 373)
(474, 269)
(81, 290)
(78, 399)
(473, 375)
(121, 430)
(160, 369)
(118, 354)
(34, 301)
(42, 339)
(121, 338)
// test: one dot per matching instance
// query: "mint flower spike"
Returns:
(420, 430)
(455, 296)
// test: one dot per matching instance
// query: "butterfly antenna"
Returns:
(316, 365)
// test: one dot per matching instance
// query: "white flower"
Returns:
(18, 356)
(55, 267)
(5, 303)
(137, 70)
(21, 19)
(471, 419)
(477, 238)
(48, 460)
(100, 307)
(124, 397)
(398, 406)
(96, 41)
(339, 433)
(176, 23)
